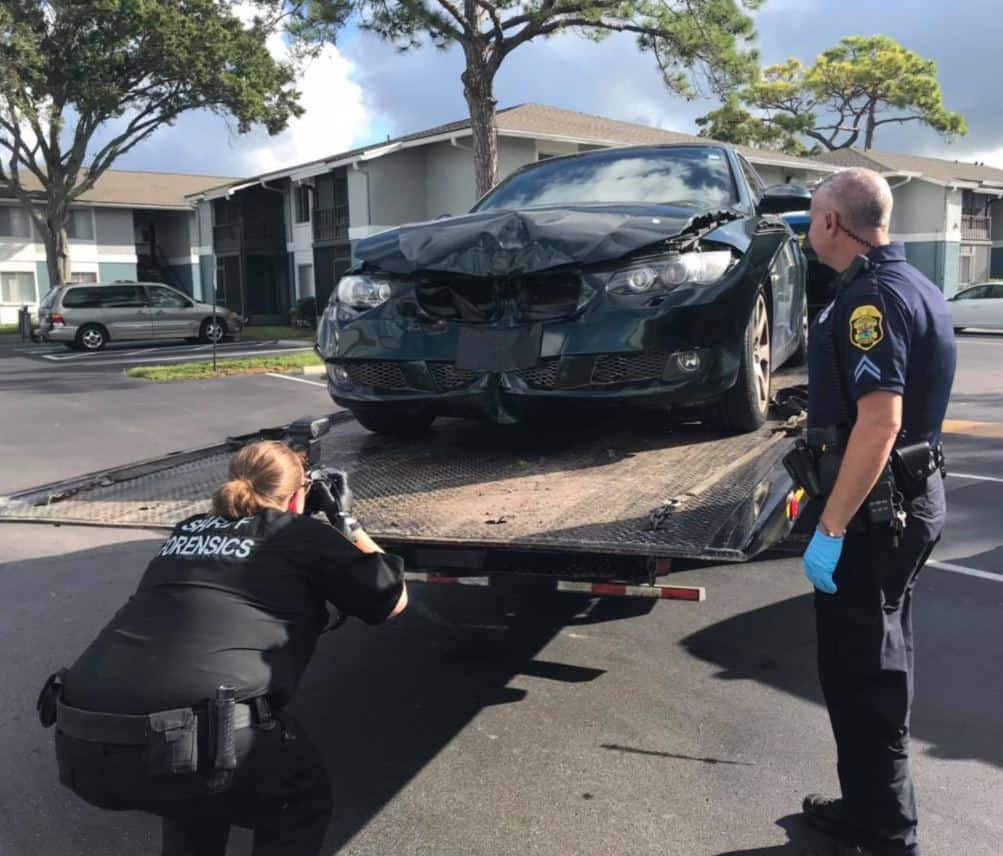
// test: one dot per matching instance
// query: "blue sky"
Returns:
(363, 90)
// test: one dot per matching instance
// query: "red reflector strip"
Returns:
(694, 593)
(419, 577)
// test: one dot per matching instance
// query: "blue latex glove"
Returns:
(820, 560)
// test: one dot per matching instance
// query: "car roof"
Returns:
(114, 282)
(980, 284)
(643, 147)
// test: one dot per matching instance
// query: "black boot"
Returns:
(829, 815)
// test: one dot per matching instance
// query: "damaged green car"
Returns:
(656, 276)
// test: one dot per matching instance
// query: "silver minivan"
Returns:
(89, 315)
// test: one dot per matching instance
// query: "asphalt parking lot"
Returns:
(513, 720)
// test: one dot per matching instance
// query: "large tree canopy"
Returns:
(690, 40)
(69, 67)
(839, 101)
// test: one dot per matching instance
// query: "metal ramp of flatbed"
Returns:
(611, 490)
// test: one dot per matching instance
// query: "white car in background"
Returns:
(979, 306)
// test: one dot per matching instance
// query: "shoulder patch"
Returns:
(866, 327)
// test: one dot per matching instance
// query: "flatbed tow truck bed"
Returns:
(614, 499)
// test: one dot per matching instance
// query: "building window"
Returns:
(83, 276)
(80, 224)
(304, 274)
(14, 222)
(17, 287)
(301, 196)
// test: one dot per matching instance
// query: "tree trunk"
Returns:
(478, 86)
(57, 249)
(871, 119)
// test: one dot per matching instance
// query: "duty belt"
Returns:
(136, 729)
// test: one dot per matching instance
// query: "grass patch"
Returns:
(277, 331)
(8, 328)
(226, 368)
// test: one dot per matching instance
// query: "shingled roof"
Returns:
(128, 189)
(938, 169)
(541, 121)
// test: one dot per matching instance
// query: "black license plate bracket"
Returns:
(499, 349)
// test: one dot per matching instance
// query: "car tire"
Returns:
(800, 355)
(393, 420)
(744, 407)
(209, 334)
(91, 337)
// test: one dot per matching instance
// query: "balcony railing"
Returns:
(330, 224)
(975, 227)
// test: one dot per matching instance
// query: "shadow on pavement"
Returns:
(802, 840)
(381, 704)
(959, 687)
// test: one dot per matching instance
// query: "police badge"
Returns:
(865, 327)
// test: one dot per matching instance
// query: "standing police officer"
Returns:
(881, 364)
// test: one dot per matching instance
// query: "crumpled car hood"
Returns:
(515, 243)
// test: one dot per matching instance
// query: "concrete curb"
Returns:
(313, 371)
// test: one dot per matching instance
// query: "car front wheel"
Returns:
(744, 407)
(212, 331)
(393, 420)
(92, 337)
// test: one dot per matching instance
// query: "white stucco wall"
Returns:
(919, 210)
(513, 153)
(449, 179)
(397, 188)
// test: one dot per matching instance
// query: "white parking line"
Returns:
(976, 478)
(297, 379)
(969, 572)
(201, 357)
(62, 357)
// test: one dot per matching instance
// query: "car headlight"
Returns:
(672, 270)
(363, 292)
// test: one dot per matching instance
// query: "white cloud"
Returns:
(993, 157)
(336, 116)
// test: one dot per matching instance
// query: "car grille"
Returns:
(382, 374)
(625, 368)
(483, 300)
(542, 376)
(448, 377)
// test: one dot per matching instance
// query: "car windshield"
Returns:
(698, 176)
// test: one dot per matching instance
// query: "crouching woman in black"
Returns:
(237, 599)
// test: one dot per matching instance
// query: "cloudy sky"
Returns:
(363, 91)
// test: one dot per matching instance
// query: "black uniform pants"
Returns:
(865, 664)
(280, 790)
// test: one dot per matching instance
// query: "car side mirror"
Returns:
(781, 198)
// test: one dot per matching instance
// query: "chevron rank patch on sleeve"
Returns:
(865, 367)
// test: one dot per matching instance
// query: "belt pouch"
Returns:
(172, 745)
(912, 466)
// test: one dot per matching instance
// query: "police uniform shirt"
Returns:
(889, 328)
(239, 602)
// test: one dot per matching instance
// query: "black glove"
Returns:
(330, 494)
